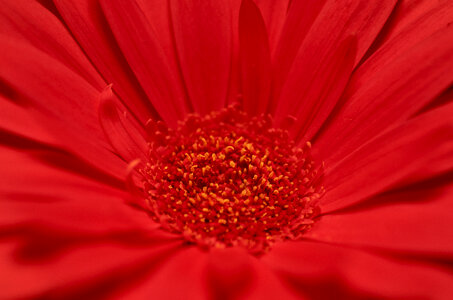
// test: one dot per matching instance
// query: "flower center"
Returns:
(227, 179)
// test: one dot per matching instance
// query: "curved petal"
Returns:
(411, 22)
(313, 89)
(217, 274)
(336, 21)
(416, 220)
(34, 190)
(16, 119)
(61, 100)
(274, 15)
(234, 87)
(229, 273)
(301, 15)
(157, 13)
(97, 271)
(333, 272)
(181, 277)
(255, 59)
(32, 23)
(389, 158)
(123, 137)
(202, 30)
(268, 285)
(146, 58)
(390, 95)
(235, 274)
(54, 221)
(88, 25)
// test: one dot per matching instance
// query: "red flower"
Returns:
(226, 149)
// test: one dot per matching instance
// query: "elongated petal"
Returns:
(230, 273)
(274, 14)
(313, 89)
(63, 101)
(15, 119)
(255, 59)
(235, 274)
(336, 21)
(411, 22)
(123, 138)
(146, 58)
(54, 221)
(388, 96)
(301, 16)
(56, 193)
(415, 220)
(202, 31)
(181, 277)
(88, 25)
(94, 271)
(268, 285)
(157, 13)
(32, 23)
(361, 18)
(51, 86)
(332, 272)
(234, 87)
(192, 274)
(389, 158)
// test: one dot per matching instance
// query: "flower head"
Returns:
(240, 149)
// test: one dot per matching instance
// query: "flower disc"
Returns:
(227, 179)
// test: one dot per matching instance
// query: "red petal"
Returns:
(229, 273)
(124, 139)
(202, 30)
(34, 191)
(274, 14)
(97, 271)
(61, 100)
(336, 21)
(388, 96)
(32, 23)
(255, 59)
(57, 221)
(235, 274)
(313, 88)
(388, 159)
(234, 88)
(415, 220)
(331, 272)
(363, 19)
(146, 58)
(157, 14)
(181, 277)
(16, 119)
(301, 16)
(268, 285)
(411, 22)
(88, 25)
(193, 274)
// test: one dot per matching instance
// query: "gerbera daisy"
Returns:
(241, 149)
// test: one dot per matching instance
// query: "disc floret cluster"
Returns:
(227, 179)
